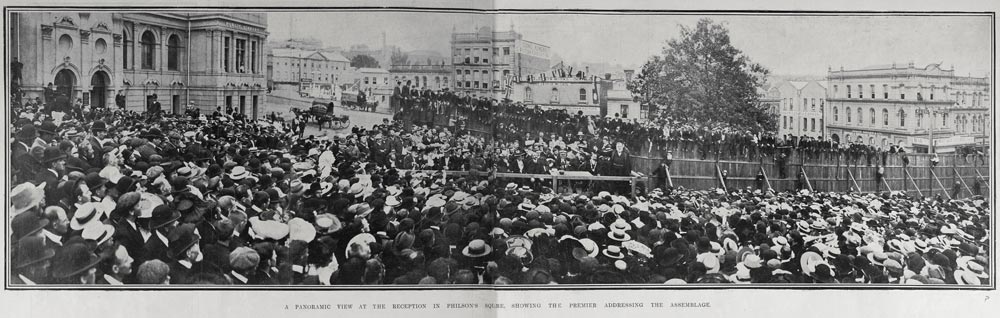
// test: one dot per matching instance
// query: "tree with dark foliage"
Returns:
(702, 79)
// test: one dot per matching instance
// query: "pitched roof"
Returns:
(295, 53)
(798, 84)
(371, 70)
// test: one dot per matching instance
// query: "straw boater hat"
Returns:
(477, 248)
(26, 196)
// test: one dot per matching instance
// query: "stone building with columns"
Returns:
(904, 104)
(200, 59)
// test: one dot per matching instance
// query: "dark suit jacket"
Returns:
(155, 248)
(179, 274)
(129, 237)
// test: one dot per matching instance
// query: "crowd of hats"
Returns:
(512, 120)
(204, 201)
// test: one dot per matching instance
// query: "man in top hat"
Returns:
(154, 106)
(99, 131)
(120, 100)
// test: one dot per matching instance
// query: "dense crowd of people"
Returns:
(508, 120)
(114, 197)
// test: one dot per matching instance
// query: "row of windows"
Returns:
(787, 121)
(860, 92)
(294, 76)
(901, 115)
(241, 65)
(554, 95)
(479, 55)
(310, 65)
(147, 50)
(422, 81)
(871, 140)
(977, 124)
(789, 103)
(973, 98)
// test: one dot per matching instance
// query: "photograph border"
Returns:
(434, 10)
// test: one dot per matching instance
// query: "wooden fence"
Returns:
(697, 169)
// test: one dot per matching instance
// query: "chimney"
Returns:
(586, 70)
(607, 76)
(628, 75)
(911, 64)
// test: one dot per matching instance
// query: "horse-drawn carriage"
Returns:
(322, 112)
(349, 99)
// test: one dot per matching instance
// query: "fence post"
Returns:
(718, 174)
(962, 180)
(632, 181)
(804, 175)
(766, 179)
(915, 186)
(851, 175)
(935, 177)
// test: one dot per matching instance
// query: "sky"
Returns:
(785, 44)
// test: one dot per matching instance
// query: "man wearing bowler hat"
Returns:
(31, 262)
(54, 162)
(185, 249)
(75, 264)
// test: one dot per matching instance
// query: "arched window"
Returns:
(527, 94)
(871, 141)
(835, 115)
(126, 43)
(555, 96)
(860, 118)
(813, 103)
(848, 112)
(871, 114)
(173, 50)
(885, 117)
(944, 119)
(148, 42)
(920, 119)
(902, 118)
(583, 95)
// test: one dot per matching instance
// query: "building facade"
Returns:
(204, 60)
(298, 67)
(904, 105)
(622, 104)
(482, 60)
(433, 77)
(376, 83)
(573, 95)
(800, 108)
